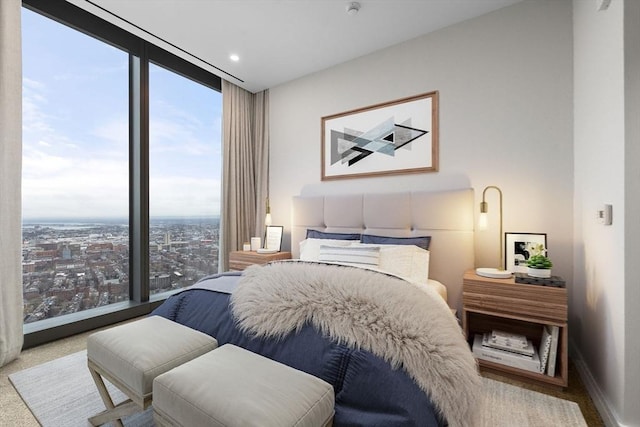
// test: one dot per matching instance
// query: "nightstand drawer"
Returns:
(507, 288)
(506, 296)
(543, 310)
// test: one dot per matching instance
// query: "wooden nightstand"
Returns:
(239, 260)
(502, 304)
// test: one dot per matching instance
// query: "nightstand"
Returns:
(505, 305)
(239, 260)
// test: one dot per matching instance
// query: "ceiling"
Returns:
(281, 40)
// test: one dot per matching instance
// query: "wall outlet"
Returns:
(605, 215)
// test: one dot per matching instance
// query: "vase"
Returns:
(539, 272)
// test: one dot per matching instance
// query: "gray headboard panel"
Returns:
(447, 216)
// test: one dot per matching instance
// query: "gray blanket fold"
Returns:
(397, 322)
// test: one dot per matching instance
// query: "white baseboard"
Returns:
(598, 397)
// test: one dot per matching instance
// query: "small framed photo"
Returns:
(518, 247)
(273, 237)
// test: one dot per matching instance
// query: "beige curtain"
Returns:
(245, 140)
(261, 157)
(11, 337)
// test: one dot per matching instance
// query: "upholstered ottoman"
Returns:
(130, 356)
(231, 386)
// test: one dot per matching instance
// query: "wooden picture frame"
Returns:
(517, 249)
(273, 237)
(397, 137)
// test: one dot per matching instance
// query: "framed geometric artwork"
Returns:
(396, 137)
(518, 247)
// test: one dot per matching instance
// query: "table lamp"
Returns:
(496, 273)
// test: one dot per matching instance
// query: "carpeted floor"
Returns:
(61, 393)
(15, 412)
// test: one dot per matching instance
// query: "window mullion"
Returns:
(139, 176)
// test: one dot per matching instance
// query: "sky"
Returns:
(75, 131)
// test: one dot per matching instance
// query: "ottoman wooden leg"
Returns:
(113, 412)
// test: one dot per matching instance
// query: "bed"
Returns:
(391, 348)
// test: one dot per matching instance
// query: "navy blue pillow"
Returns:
(421, 241)
(315, 234)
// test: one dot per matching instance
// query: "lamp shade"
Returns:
(482, 221)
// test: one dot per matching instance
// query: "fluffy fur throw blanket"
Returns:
(406, 326)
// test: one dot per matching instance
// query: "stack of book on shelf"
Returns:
(549, 349)
(508, 349)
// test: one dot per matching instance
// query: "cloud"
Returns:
(116, 133)
(173, 195)
(34, 120)
(66, 175)
(37, 164)
(172, 130)
(74, 187)
(76, 160)
(96, 74)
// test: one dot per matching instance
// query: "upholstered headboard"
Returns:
(446, 216)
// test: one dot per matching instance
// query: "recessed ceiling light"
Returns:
(353, 8)
(234, 57)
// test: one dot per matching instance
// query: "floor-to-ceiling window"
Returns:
(121, 169)
(184, 180)
(75, 170)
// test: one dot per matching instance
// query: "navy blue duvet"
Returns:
(368, 391)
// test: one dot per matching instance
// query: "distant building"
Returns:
(160, 281)
(48, 246)
(50, 254)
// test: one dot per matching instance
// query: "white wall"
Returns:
(506, 113)
(632, 211)
(605, 307)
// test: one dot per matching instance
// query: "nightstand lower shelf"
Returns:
(484, 322)
(479, 322)
(509, 371)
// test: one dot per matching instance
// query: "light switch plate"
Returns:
(605, 215)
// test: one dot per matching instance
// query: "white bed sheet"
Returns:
(438, 287)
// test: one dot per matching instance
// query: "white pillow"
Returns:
(407, 261)
(310, 248)
(367, 255)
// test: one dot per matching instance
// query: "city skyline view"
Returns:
(76, 136)
(114, 220)
(71, 267)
